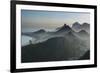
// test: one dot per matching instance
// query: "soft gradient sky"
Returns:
(35, 19)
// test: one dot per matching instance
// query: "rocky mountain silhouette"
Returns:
(77, 26)
(83, 32)
(64, 28)
(39, 31)
(86, 25)
(63, 44)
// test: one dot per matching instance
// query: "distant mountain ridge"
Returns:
(77, 27)
(41, 34)
(63, 44)
(83, 32)
(40, 31)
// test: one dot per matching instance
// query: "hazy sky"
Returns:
(35, 19)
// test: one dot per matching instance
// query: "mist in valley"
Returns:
(54, 36)
(62, 44)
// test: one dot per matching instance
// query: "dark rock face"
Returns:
(85, 56)
(64, 28)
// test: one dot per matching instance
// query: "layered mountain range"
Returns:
(77, 27)
(66, 43)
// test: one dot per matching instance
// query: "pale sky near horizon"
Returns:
(35, 19)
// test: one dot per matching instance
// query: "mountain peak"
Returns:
(64, 28)
(65, 25)
(76, 25)
(85, 25)
(40, 31)
(83, 32)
